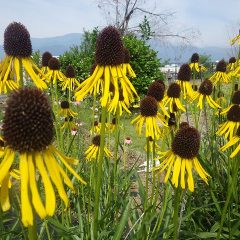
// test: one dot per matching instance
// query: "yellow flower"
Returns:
(172, 98)
(235, 100)
(127, 69)
(45, 59)
(69, 123)
(96, 127)
(54, 74)
(150, 116)
(232, 64)
(17, 62)
(204, 93)
(109, 59)
(28, 133)
(65, 110)
(230, 127)
(194, 65)
(70, 82)
(220, 75)
(156, 90)
(183, 79)
(182, 158)
(234, 140)
(120, 105)
(93, 151)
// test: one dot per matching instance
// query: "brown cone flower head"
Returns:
(184, 73)
(174, 90)
(54, 63)
(236, 97)
(109, 49)
(184, 125)
(156, 90)
(186, 143)
(17, 40)
(96, 140)
(232, 60)
(70, 73)
(28, 123)
(206, 87)
(64, 104)
(45, 58)
(221, 66)
(234, 113)
(195, 58)
(161, 82)
(148, 106)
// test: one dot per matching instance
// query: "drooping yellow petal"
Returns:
(36, 199)
(4, 194)
(50, 199)
(26, 208)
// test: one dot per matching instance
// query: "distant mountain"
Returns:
(177, 54)
(55, 45)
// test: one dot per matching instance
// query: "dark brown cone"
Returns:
(64, 104)
(174, 90)
(184, 125)
(95, 123)
(45, 58)
(149, 106)
(114, 121)
(184, 73)
(28, 123)
(236, 97)
(221, 66)
(109, 49)
(206, 87)
(232, 60)
(161, 82)
(238, 132)
(195, 58)
(186, 143)
(70, 73)
(54, 63)
(17, 40)
(234, 113)
(156, 90)
(172, 120)
(96, 140)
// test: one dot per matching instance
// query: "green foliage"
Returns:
(145, 29)
(81, 57)
(36, 56)
(144, 62)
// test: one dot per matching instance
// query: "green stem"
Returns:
(147, 174)
(176, 210)
(32, 230)
(99, 174)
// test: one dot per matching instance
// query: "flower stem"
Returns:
(176, 210)
(99, 173)
(147, 174)
(32, 230)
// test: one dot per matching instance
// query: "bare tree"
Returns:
(127, 16)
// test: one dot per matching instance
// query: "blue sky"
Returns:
(216, 20)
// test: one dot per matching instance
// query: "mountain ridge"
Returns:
(59, 44)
